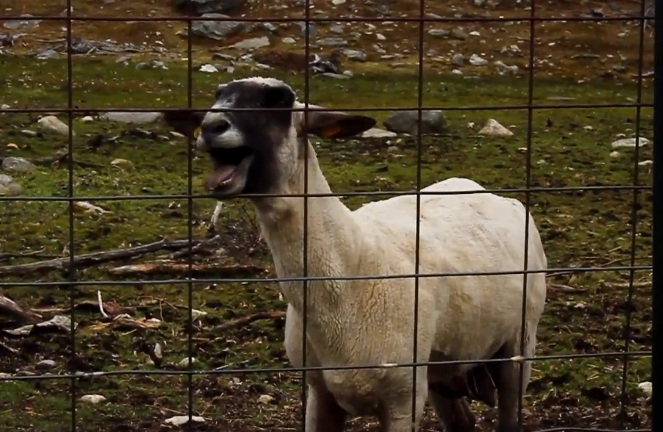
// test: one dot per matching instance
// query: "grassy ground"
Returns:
(586, 311)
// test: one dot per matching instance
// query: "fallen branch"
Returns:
(627, 285)
(11, 309)
(241, 321)
(167, 267)
(214, 241)
(566, 288)
(91, 259)
(7, 348)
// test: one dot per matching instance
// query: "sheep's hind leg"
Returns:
(508, 386)
(454, 414)
(323, 413)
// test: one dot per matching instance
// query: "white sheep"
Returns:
(371, 321)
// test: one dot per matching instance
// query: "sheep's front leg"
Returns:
(395, 412)
(323, 413)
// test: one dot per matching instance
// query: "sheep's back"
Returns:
(464, 234)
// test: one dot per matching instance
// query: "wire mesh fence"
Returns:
(132, 300)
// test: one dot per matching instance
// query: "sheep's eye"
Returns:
(276, 97)
(219, 91)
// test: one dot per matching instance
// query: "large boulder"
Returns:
(217, 30)
(433, 121)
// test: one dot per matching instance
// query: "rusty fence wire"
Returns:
(643, 21)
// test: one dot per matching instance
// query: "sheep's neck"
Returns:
(331, 233)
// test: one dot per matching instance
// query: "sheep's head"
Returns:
(255, 149)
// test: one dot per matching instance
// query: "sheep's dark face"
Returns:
(245, 145)
(255, 150)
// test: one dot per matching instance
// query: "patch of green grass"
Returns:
(580, 228)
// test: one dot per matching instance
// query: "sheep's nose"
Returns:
(214, 128)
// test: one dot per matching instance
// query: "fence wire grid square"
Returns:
(130, 300)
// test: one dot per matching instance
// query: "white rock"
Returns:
(53, 124)
(615, 154)
(476, 60)
(646, 387)
(288, 40)
(474, 33)
(253, 43)
(195, 314)
(456, 72)
(646, 162)
(87, 119)
(120, 163)
(181, 420)
(338, 2)
(629, 142)
(208, 68)
(493, 128)
(380, 36)
(93, 398)
(185, 361)
(5, 106)
(265, 399)
(378, 133)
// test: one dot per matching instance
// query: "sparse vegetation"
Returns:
(586, 311)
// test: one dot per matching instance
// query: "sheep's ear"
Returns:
(336, 124)
(184, 122)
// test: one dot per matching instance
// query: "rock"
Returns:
(458, 59)
(476, 60)
(288, 40)
(121, 163)
(17, 164)
(265, 399)
(47, 54)
(332, 41)
(12, 146)
(380, 37)
(87, 119)
(378, 133)
(629, 143)
(216, 30)
(53, 124)
(28, 132)
(493, 128)
(8, 186)
(185, 362)
(208, 68)
(92, 398)
(432, 121)
(502, 68)
(355, 55)
(182, 420)
(253, 43)
(438, 32)
(459, 33)
(646, 162)
(456, 72)
(615, 154)
(131, 117)
(201, 7)
(22, 24)
(646, 387)
(45, 365)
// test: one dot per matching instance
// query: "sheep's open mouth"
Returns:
(230, 168)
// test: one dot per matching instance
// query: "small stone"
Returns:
(380, 36)
(646, 387)
(265, 399)
(253, 43)
(87, 119)
(93, 398)
(121, 163)
(438, 32)
(458, 59)
(288, 40)
(494, 128)
(12, 146)
(646, 162)
(45, 365)
(17, 164)
(182, 420)
(131, 117)
(185, 362)
(53, 124)
(456, 72)
(629, 142)
(476, 60)
(8, 186)
(378, 133)
(332, 41)
(208, 68)
(615, 154)
(28, 132)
